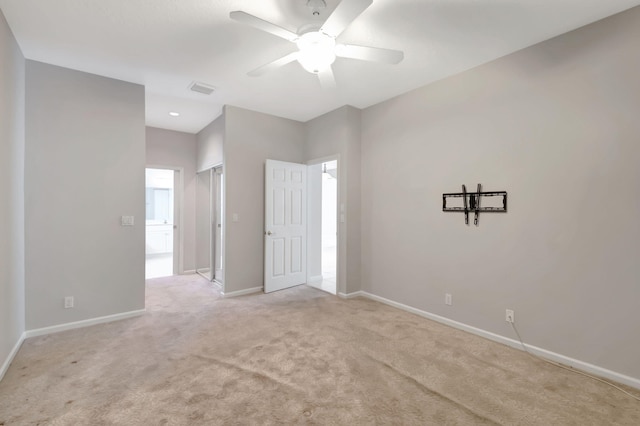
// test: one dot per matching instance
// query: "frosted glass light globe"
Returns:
(317, 51)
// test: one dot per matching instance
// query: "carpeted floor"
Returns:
(298, 356)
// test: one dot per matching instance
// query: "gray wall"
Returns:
(210, 141)
(12, 118)
(177, 149)
(245, 139)
(250, 139)
(84, 169)
(556, 125)
(338, 132)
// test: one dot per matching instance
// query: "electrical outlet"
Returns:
(510, 316)
(68, 302)
(447, 299)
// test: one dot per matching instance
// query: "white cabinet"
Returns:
(159, 239)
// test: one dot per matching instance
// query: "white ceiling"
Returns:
(167, 44)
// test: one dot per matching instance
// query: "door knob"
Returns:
(268, 233)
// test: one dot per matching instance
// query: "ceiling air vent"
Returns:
(201, 88)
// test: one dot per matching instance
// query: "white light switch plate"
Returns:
(127, 221)
(68, 302)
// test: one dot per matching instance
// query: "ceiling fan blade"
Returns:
(273, 65)
(263, 25)
(343, 15)
(372, 54)
(327, 80)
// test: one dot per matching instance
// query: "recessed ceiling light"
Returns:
(174, 114)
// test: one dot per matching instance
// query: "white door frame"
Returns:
(315, 161)
(178, 209)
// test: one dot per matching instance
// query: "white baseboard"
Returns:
(559, 358)
(83, 323)
(352, 295)
(242, 292)
(188, 272)
(7, 362)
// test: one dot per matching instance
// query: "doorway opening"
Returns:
(159, 222)
(329, 229)
(323, 225)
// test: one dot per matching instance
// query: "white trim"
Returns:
(215, 165)
(83, 323)
(352, 295)
(12, 355)
(323, 159)
(188, 272)
(559, 358)
(242, 292)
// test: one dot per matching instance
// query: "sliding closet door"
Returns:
(218, 225)
(203, 224)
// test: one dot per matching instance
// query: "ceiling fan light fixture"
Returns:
(317, 51)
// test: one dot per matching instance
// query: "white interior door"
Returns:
(285, 248)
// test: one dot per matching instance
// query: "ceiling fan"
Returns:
(317, 47)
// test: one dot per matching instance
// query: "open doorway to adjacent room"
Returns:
(329, 225)
(160, 224)
(322, 205)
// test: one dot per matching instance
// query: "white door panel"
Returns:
(285, 225)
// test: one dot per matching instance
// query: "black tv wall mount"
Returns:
(472, 202)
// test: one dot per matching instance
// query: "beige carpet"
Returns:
(298, 356)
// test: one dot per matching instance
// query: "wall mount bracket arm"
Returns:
(471, 202)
